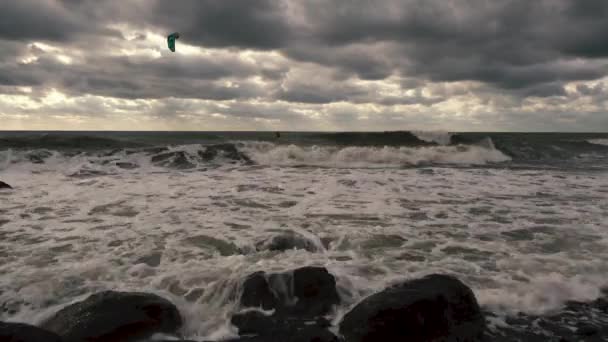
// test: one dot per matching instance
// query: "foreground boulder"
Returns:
(115, 317)
(20, 332)
(4, 185)
(434, 308)
(306, 292)
(299, 299)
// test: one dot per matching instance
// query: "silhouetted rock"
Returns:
(20, 332)
(433, 308)
(299, 299)
(115, 317)
(228, 151)
(38, 156)
(577, 321)
(306, 292)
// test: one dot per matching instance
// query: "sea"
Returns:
(521, 218)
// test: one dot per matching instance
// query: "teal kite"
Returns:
(171, 40)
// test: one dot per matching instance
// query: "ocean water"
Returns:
(521, 218)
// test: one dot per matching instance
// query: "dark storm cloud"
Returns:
(516, 48)
(511, 44)
(131, 77)
(235, 23)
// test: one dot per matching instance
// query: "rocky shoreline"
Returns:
(293, 306)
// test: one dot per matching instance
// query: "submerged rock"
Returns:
(434, 308)
(115, 317)
(4, 185)
(577, 321)
(20, 332)
(176, 160)
(228, 151)
(206, 242)
(127, 165)
(286, 240)
(299, 298)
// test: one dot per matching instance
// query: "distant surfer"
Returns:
(277, 134)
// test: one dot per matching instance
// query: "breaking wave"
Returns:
(356, 156)
(603, 142)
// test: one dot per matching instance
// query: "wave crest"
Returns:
(356, 156)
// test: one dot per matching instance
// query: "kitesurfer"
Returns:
(171, 40)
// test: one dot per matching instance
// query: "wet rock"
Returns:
(152, 260)
(114, 243)
(577, 321)
(175, 160)
(4, 185)
(115, 317)
(228, 151)
(38, 157)
(299, 298)
(206, 242)
(304, 292)
(264, 328)
(20, 332)
(286, 240)
(433, 308)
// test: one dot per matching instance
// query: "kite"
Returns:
(171, 40)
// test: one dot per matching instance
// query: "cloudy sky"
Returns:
(467, 65)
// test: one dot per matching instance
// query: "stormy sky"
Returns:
(457, 65)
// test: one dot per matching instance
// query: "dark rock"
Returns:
(577, 321)
(586, 330)
(4, 185)
(176, 160)
(115, 317)
(257, 292)
(271, 328)
(228, 151)
(433, 308)
(305, 292)
(285, 241)
(208, 242)
(20, 332)
(299, 298)
(255, 322)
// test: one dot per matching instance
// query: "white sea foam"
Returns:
(603, 142)
(439, 137)
(283, 155)
(523, 240)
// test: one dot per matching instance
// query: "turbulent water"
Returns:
(520, 218)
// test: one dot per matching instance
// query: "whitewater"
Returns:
(521, 220)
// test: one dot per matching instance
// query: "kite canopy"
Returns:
(171, 40)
